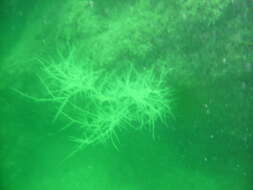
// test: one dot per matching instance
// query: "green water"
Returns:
(126, 95)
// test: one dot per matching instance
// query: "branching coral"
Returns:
(144, 94)
(68, 81)
(100, 104)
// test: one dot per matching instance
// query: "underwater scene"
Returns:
(126, 95)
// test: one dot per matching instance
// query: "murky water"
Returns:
(126, 95)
